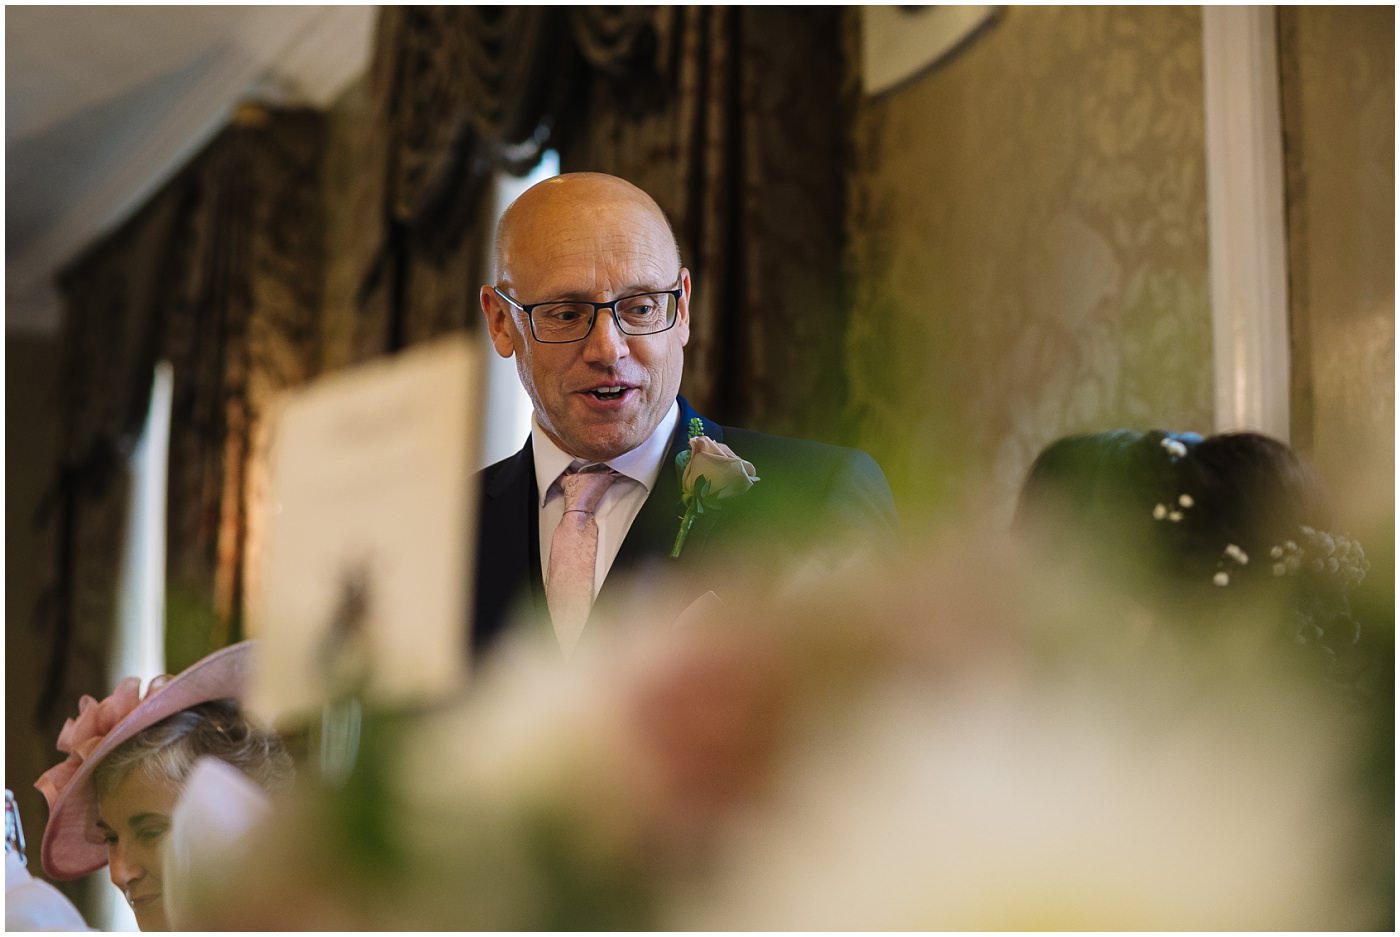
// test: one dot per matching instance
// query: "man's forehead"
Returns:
(565, 202)
(584, 257)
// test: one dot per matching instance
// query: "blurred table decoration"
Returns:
(956, 742)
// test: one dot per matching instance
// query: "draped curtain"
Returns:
(459, 92)
(215, 275)
(732, 118)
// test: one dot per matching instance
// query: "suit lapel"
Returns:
(509, 560)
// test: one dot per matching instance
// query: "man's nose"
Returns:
(606, 343)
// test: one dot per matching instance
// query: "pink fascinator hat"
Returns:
(73, 845)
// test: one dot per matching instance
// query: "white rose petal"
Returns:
(727, 474)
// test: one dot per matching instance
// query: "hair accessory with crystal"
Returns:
(1233, 553)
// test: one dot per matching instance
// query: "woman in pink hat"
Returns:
(111, 801)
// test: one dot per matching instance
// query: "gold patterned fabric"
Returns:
(217, 275)
(460, 92)
(732, 118)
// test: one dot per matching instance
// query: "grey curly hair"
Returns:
(217, 728)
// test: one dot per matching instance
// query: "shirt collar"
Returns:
(642, 464)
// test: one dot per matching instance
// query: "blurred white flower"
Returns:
(995, 806)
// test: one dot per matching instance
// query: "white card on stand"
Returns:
(363, 581)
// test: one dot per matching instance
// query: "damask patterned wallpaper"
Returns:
(1337, 68)
(1028, 250)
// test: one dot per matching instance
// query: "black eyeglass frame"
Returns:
(611, 306)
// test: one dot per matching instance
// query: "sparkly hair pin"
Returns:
(1160, 512)
(1233, 553)
(1175, 447)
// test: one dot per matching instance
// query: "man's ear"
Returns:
(498, 322)
(683, 308)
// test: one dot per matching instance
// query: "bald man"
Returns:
(593, 302)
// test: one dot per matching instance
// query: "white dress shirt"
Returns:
(639, 469)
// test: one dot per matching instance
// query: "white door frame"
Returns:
(1245, 204)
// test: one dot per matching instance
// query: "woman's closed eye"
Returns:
(150, 833)
(145, 831)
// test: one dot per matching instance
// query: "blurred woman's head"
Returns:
(1198, 527)
(111, 801)
(139, 783)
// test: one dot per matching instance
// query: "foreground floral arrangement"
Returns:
(957, 742)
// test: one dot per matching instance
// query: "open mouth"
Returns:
(608, 393)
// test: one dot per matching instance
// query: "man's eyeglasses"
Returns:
(571, 320)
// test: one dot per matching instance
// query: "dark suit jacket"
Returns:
(806, 492)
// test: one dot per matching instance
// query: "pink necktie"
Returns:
(573, 554)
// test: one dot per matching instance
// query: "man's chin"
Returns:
(602, 442)
(601, 450)
(598, 440)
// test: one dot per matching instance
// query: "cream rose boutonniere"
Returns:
(710, 472)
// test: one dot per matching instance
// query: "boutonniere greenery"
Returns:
(709, 473)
